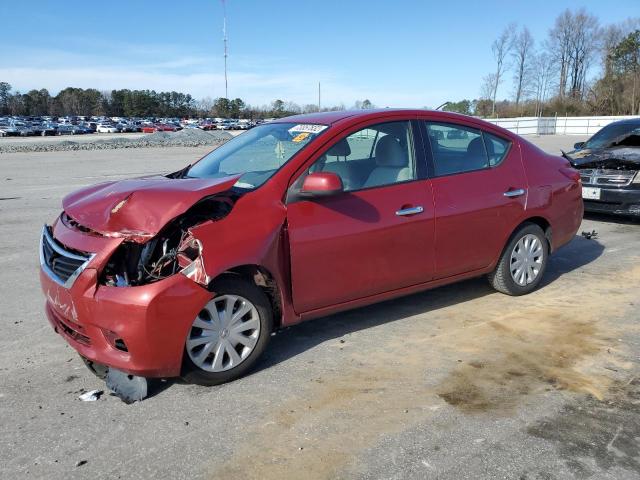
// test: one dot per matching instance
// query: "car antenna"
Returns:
(443, 105)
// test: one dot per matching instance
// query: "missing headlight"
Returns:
(173, 250)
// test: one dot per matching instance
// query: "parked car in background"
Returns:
(90, 126)
(224, 125)
(81, 129)
(166, 127)
(46, 128)
(8, 130)
(24, 128)
(609, 164)
(243, 125)
(65, 129)
(190, 273)
(106, 128)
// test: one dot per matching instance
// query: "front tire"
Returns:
(522, 263)
(229, 334)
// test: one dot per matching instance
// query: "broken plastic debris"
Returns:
(91, 396)
(128, 388)
(590, 235)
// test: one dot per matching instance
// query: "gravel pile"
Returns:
(183, 138)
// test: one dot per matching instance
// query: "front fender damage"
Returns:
(173, 250)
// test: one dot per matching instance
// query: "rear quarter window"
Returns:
(496, 148)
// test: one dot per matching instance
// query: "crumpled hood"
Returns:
(605, 157)
(138, 208)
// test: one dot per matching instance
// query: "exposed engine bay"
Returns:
(173, 250)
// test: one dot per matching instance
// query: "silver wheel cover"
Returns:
(224, 333)
(527, 258)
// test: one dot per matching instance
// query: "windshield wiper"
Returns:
(180, 173)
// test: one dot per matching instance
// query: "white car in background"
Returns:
(106, 128)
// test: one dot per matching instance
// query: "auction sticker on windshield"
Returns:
(307, 127)
(591, 193)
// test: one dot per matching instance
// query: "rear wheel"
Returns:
(523, 262)
(229, 334)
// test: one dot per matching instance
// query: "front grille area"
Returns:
(607, 178)
(61, 264)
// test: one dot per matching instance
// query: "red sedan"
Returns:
(159, 127)
(190, 273)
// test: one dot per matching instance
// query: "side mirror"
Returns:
(578, 145)
(321, 184)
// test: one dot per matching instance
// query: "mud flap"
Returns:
(129, 388)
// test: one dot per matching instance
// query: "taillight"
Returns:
(570, 173)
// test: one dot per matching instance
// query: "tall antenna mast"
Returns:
(224, 38)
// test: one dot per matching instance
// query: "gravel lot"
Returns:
(455, 383)
(109, 141)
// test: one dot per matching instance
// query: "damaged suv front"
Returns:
(609, 163)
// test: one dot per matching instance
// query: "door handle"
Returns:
(409, 211)
(514, 193)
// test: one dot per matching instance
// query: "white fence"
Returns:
(555, 125)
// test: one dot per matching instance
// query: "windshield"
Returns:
(605, 137)
(256, 154)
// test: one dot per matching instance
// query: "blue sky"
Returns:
(395, 52)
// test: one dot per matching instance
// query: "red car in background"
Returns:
(159, 127)
(190, 273)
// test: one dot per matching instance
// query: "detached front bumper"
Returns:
(140, 330)
(617, 201)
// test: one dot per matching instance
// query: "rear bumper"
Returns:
(616, 201)
(151, 321)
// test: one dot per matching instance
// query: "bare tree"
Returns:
(543, 67)
(501, 47)
(559, 46)
(584, 45)
(522, 54)
(488, 86)
(573, 43)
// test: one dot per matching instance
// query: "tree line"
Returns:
(142, 103)
(552, 76)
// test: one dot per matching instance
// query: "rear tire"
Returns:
(522, 263)
(235, 339)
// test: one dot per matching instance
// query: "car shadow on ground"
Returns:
(292, 341)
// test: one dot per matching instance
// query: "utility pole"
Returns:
(318, 96)
(224, 39)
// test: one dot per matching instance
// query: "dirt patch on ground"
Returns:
(522, 360)
(485, 356)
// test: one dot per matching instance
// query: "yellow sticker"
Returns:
(300, 137)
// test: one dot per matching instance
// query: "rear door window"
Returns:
(458, 148)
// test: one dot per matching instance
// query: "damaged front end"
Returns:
(610, 179)
(173, 250)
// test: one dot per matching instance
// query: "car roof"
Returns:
(632, 121)
(329, 118)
